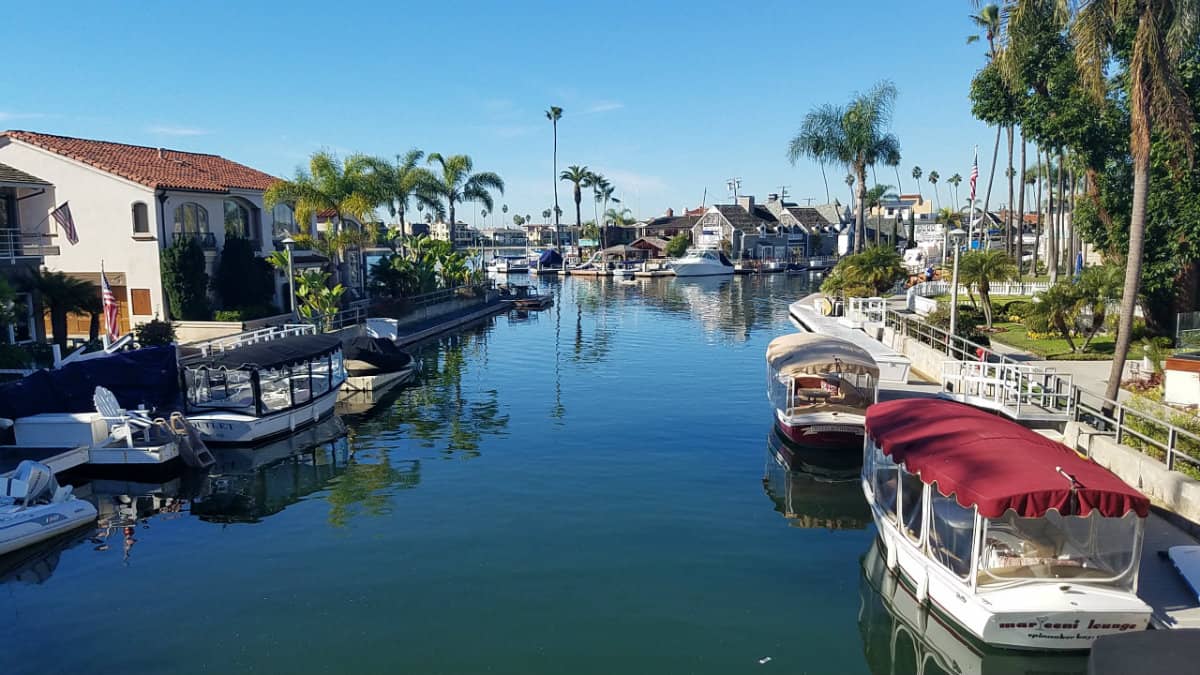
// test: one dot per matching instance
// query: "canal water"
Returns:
(586, 489)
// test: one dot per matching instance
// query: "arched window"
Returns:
(237, 219)
(191, 218)
(141, 218)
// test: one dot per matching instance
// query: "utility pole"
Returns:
(734, 184)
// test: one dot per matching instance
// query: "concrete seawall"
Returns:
(926, 361)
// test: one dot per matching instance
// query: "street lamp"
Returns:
(956, 235)
(288, 242)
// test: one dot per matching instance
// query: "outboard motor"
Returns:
(39, 480)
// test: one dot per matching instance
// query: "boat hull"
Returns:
(25, 527)
(833, 431)
(701, 270)
(226, 428)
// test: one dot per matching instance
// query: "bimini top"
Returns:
(813, 354)
(271, 353)
(995, 464)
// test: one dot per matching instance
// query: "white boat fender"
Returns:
(891, 557)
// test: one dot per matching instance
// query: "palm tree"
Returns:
(1099, 286)
(980, 268)
(1165, 29)
(578, 176)
(874, 197)
(916, 174)
(1057, 307)
(933, 178)
(988, 20)
(855, 136)
(457, 184)
(954, 181)
(850, 184)
(395, 185)
(343, 188)
(60, 295)
(554, 114)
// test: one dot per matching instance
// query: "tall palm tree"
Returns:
(397, 184)
(855, 136)
(916, 174)
(578, 176)
(850, 184)
(933, 179)
(60, 295)
(810, 143)
(343, 188)
(554, 114)
(988, 21)
(1165, 30)
(954, 181)
(454, 183)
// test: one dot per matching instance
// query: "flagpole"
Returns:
(971, 215)
(104, 310)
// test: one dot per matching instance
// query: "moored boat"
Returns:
(820, 388)
(702, 262)
(34, 507)
(251, 387)
(1013, 537)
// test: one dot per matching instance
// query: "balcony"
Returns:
(17, 245)
(207, 240)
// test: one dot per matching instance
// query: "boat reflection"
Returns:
(36, 564)
(901, 635)
(835, 464)
(249, 484)
(810, 500)
(124, 508)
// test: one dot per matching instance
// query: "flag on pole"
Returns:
(974, 175)
(111, 328)
(63, 216)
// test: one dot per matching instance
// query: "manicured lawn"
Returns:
(1014, 335)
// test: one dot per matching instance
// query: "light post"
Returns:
(288, 242)
(956, 235)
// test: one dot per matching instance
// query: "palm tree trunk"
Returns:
(1037, 231)
(987, 196)
(93, 326)
(1008, 222)
(58, 327)
(899, 189)
(1059, 245)
(937, 196)
(826, 181)
(1021, 210)
(860, 225)
(1051, 242)
(557, 227)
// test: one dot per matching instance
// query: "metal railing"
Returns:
(929, 289)
(1021, 390)
(15, 244)
(251, 337)
(350, 315)
(1142, 430)
(821, 261)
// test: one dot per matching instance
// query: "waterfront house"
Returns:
(667, 225)
(749, 230)
(653, 246)
(129, 202)
(25, 241)
(894, 205)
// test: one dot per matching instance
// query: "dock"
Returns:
(58, 459)
(893, 366)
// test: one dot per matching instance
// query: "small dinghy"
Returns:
(34, 507)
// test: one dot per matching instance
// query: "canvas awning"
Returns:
(995, 464)
(272, 353)
(813, 354)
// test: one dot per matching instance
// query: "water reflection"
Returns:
(900, 635)
(36, 564)
(124, 508)
(812, 501)
(249, 484)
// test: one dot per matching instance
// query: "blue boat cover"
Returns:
(550, 257)
(147, 376)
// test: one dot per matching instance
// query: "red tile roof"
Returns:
(152, 167)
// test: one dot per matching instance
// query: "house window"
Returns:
(140, 299)
(237, 220)
(284, 219)
(141, 218)
(191, 218)
(7, 209)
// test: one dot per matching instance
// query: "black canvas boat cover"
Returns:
(138, 377)
(550, 257)
(271, 353)
(379, 352)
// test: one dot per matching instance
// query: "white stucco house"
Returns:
(129, 202)
(25, 241)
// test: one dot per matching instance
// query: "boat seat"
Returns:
(14, 488)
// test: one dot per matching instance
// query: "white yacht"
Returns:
(509, 265)
(702, 262)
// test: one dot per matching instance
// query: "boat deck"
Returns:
(893, 366)
(58, 459)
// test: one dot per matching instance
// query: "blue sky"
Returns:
(666, 99)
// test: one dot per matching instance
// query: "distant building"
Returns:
(776, 230)
(893, 205)
(461, 235)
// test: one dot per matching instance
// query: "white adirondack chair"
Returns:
(122, 424)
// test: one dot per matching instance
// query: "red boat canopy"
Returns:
(995, 464)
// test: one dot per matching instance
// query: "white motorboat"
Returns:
(34, 507)
(1011, 536)
(509, 265)
(247, 388)
(820, 388)
(772, 266)
(702, 262)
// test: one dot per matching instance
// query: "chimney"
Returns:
(746, 202)
(160, 154)
(670, 212)
(773, 197)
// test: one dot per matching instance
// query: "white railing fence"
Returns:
(930, 289)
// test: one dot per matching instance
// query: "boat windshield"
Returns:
(823, 392)
(1056, 547)
(219, 389)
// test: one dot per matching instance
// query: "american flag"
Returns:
(63, 215)
(110, 308)
(974, 175)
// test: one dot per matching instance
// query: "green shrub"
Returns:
(1018, 309)
(185, 280)
(242, 279)
(155, 333)
(14, 356)
(678, 245)
(245, 313)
